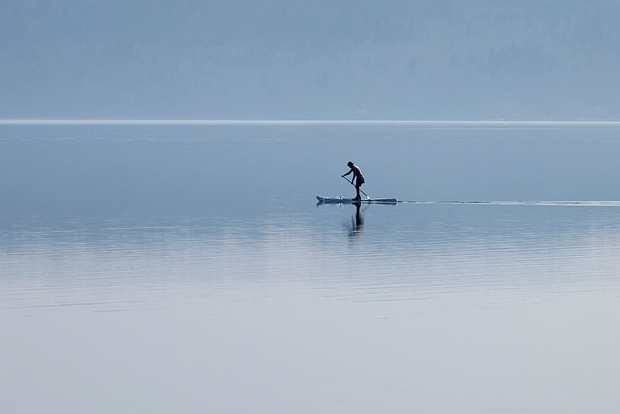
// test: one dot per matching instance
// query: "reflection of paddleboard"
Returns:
(340, 200)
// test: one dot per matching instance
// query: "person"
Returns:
(357, 176)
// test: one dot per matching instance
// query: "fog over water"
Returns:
(424, 59)
(92, 170)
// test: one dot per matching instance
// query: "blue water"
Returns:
(188, 268)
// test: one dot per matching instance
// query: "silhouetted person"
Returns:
(357, 176)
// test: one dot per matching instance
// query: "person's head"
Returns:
(350, 164)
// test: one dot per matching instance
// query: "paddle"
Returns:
(354, 186)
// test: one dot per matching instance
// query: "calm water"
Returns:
(163, 269)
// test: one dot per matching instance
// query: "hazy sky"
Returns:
(337, 59)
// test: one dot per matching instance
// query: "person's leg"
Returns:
(358, 197)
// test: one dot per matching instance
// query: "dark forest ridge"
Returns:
(440, 59)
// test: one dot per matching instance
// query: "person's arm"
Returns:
(350, 171)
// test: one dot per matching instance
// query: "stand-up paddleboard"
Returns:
(340, 200)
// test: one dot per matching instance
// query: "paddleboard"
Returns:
(340, 200)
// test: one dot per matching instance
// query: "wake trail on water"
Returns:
(523, 203)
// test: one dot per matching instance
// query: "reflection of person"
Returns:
(357, 176)
(359, 219)
(357, 222)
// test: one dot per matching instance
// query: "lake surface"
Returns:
(188, 268)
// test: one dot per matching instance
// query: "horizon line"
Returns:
(293, 122)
